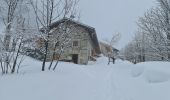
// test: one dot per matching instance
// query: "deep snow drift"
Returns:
(96, 81)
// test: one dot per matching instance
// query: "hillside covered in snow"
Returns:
(95, 81)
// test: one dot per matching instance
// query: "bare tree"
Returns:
(165, 12)
(19, 33)
(115, 38)
(8, 14)
(152, 38)
(47, 11)
(155, 30)
(11, 61)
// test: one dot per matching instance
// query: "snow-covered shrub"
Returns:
(152, 72)
(156, 76)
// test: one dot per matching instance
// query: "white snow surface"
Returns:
(95, 81)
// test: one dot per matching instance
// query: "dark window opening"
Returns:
(75, 43)
(75, 58)
(58, 44)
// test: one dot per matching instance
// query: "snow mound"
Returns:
(154, 76)
(152, 72)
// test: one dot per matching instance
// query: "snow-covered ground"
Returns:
(96, 81)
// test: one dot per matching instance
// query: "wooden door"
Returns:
(75, 58)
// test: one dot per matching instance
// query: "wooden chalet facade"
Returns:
(83, 46)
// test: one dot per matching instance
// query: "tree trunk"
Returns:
(7, 42)
(53, 56)
(57, 60)
(45, 55)
(2, 67)
(7, 37)
(15, 61)
(168, 38)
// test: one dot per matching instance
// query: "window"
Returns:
(75, 43)
(83, 43)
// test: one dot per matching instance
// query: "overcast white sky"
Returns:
(110, 16)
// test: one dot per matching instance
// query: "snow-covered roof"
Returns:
(88, 28)
(105, 42)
